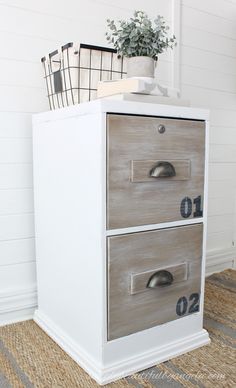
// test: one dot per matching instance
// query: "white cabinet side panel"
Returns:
(69, 224)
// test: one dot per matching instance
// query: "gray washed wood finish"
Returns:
(143, 251)
(134, 138)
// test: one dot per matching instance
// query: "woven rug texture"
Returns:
(29, 358)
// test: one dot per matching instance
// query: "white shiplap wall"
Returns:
(29, 30)
(208, 78)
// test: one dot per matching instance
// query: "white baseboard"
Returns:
(217, 261)
(17, 305)
(104, 375)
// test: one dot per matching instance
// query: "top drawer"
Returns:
(153, 175)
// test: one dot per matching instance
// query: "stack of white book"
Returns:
(134, 89)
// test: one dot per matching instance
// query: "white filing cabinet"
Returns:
(120, 218)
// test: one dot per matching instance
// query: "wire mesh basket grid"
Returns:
(73, 72)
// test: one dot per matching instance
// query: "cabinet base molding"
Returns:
(104, 375)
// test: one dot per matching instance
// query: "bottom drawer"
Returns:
(153, 277)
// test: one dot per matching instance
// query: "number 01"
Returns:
(186, 207)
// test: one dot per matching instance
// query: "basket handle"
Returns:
(55, 61)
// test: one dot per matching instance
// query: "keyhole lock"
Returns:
(161, 128)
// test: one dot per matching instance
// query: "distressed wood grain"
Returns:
(133, 138)
(144, 251)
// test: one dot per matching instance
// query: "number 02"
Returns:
(182, 304)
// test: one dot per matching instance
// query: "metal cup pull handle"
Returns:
(162, 170)
(160, 279)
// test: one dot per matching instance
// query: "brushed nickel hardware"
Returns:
(161, 128)
(138, 281)
(140, 170)
(160, 279)
(163, 170)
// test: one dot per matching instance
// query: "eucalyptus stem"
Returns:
(139, 36)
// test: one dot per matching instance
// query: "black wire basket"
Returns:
(73, 72)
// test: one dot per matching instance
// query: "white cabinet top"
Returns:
(125, 107)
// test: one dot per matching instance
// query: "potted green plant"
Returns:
(141, 41)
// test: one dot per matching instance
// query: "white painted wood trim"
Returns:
(154, 357)
(124, 107)
(17, 305)
(68, 345)
(220, 260)
(176, 29)
(205, 209)
(128, 366)
(163, 225)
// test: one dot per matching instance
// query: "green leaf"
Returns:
(140, 36)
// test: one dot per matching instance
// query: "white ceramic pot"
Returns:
(140, 67)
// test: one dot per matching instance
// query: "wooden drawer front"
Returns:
(135, 148)
(133, 259)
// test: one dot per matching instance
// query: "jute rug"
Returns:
(29, 358)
